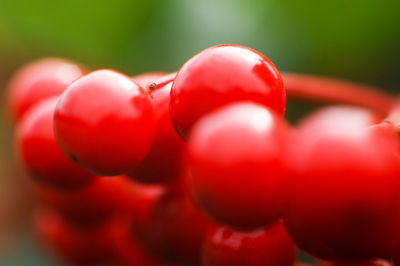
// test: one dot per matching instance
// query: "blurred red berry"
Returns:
(39, 80)
(175, 228)
(346, 186)
(128, 250)
(39, 152)
(78, 246)
(143, 201)
(101, 199)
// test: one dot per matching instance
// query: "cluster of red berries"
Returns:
(199, 167)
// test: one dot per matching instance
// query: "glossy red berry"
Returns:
(39, 80)
(162, 164)
(105, 123)
(220, 75)
(236, 156)
(40, 153)
(176, 228)
(101, 199)
(80, 246)
(270, 246)
(345, 201)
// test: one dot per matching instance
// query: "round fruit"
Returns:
(73, 244)
(162, 164)
(143, 201)
(346, 187)
(105, 123)
(40, 153)
(128, 250)
(269, 246)
(220, 75)
(175, 228)
(39, 80)
(238, 173)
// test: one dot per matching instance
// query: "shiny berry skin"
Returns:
(176, 228)
(236, 157)
(40, 153)
(39, 80)
(79, 246)
(162, 164)
(101, 199)
(270, 246)
(105, 122)
(345, 201)
(374, 262)
(220, 75)
(147, 79)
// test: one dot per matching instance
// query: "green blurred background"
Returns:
(357, 40)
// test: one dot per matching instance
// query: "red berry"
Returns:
(163, 163)
(80, 246)
(40, 153)
(269, 246)
(175, 228)
(101, 199)
(236, 158)
(220, 75)
(105, 122)
(143, 201)
(346, 185)
(352, 117)
(39, 80)
(128, 250)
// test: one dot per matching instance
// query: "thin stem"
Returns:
(394, 115)
(327, 90)
(161, 82)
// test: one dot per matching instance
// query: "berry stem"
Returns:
(325, 90)
(394, 116)
(162, 81)
(320, 89)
